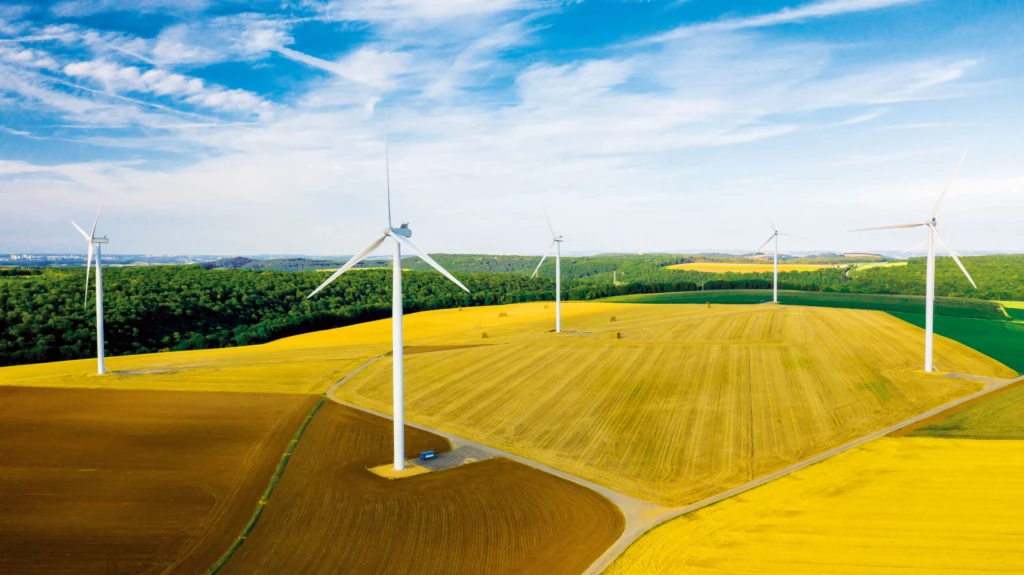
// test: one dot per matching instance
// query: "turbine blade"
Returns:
(763, 245)
(949, 183)
(795, 237)
(546, 217)
(81, 231)
(348, 265)
(953, 253)
(889, 227)
(412, 248)
(542, 259)
(96, 221)
(88, 265)
(915, 248)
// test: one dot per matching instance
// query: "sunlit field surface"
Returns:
(100, 482)
(308, 363)
(687, 402)
(329, 515)
(719, 267)
(915, 505)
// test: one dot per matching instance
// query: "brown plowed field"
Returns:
(329, 515)
(129, 482)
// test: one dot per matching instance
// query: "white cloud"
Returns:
(27, 57)
(79, 8)
(363, 66)
(163, 83)
(810, 11)
(404, 12)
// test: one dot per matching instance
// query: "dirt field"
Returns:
(913, 505)
(691, 401)
(329, 515)
(126, 482)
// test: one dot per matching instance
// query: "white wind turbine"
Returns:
(775, 236)
(95, 242)
(401, 236)
(933, 236)
(556, 242)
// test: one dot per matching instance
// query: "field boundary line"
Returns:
(643, 516)
(613, 552)
(635, 511)
(285, 458)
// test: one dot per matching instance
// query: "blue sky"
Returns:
(257, 127)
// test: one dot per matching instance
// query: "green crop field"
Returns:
(1001, 340)
(998, 416)
(889, 303)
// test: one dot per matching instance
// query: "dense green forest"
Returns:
(999, 277)
(147, 309)
(42, 317)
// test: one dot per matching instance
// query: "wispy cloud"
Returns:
(802, 13)
(404, 12)
(162, 83)
(79, 8)
(862, 159)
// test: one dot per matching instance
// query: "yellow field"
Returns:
(1013, 304)
(867, 266)
(690, 401)
(716, 267)
(308, 363)
(891, 506)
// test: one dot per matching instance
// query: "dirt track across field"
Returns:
(133, 482)
(329, 515)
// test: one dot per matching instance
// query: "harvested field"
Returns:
(915, 505)
(691, 401)
(752, 268)
(303, 364)
(283, 366)
(105, 482)
(329, 515)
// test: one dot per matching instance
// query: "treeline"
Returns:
(999, 277)
(148, 309)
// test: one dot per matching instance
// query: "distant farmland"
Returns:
(329, 515)
(752, 268)
(690, 401)
(101, 482)
(915, 505)
(954, 307)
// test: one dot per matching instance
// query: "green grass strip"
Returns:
(955, 307)
(266, 494)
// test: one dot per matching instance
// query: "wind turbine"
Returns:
(95, 242)
(401, 236)
(556, 242)
(933, 236)
(774, 237)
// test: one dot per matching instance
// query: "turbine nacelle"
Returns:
(402, 230)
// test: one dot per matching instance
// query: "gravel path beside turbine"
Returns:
(642, 516)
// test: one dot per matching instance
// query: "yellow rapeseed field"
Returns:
(723, 267)
(890, 506)
(687, 402)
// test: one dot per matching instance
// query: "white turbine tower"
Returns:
(95, 242)
(775, 236)
(556, 242)
(401, 236)
(933, 236)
